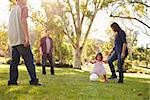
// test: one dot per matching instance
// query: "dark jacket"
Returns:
(119, 40)
(43, 45)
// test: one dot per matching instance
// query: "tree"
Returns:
(3, 40)
(138, 11)
(50, 20)
(53, 10)
(92, 47)
(70, 17)
(77, 15)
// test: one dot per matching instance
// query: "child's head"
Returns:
(99, 56)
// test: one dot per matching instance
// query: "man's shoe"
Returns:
(44, 74)
(113, 78)
(38, 84)
(12, 84)
(120, 81)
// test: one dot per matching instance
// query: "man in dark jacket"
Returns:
(46, 49)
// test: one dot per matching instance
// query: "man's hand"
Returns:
(41, 53)
(26, 42)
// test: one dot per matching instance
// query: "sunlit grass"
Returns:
(70, 84)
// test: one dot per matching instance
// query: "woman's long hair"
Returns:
(115, 26)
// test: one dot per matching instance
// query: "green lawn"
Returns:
(70, 84)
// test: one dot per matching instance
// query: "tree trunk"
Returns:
(77, 58)
(59, 48)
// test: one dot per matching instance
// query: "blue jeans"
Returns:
(27, 55)
(116, 56)
(48, 57)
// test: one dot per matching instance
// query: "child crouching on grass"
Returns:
(99, 67)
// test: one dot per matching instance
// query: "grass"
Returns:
(70, 84)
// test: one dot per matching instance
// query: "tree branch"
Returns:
(74, 21)
(131, 18)
(73, 44)
(38, 21)
(78, 31)
(89, 28)
(97, 7)
(146, 33)
(83, 16)
(139, 3)
(78, 14)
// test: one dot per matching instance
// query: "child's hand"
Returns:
(105, 61)
(92, 62)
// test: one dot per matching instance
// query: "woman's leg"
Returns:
(111, 59)
(120, 68)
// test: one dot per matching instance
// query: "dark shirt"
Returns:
(120, 39)
(43, 45)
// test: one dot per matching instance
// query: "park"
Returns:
(74, 50)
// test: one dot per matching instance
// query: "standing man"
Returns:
(119, 52)
(46, 50)
(19, 41)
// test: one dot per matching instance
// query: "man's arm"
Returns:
(24, 15)
(41, 52)
(51, 45)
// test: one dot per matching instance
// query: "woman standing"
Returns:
(119, 52)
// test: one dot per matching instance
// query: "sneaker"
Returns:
(112, 78)
(12, 84)
(120, 81)
(35, 82)
(38, 84)
(44, 74)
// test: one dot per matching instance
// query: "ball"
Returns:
(93, 77)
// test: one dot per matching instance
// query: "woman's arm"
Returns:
(123, 38)
(123, 50)
(111, 52)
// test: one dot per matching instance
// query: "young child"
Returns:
(99, 67)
